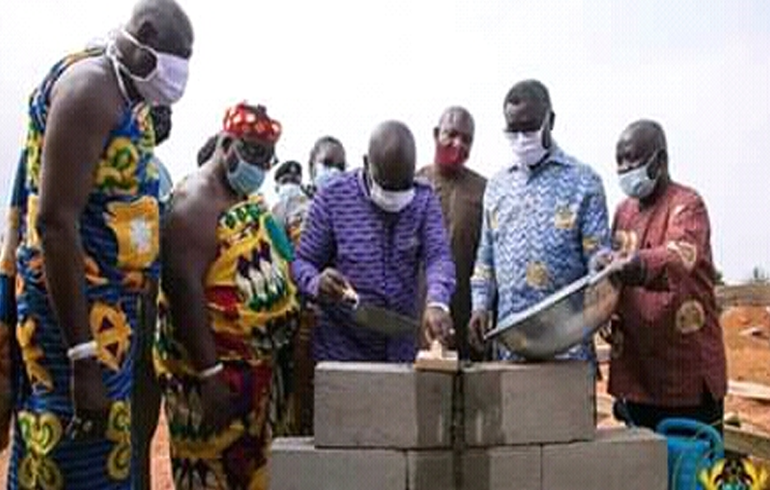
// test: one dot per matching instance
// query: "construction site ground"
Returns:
(747, 336)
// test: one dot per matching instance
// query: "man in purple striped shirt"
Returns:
(373, 229)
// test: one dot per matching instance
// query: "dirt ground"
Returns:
(748, 360)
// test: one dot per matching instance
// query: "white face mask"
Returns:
(166, 83)
(637, 182)
(325, 174)
(289, 191)
(390, 201)
(527, 147)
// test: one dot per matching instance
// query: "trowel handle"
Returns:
(598, 277)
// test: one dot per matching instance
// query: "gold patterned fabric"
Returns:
(119, 234)
(253, 311)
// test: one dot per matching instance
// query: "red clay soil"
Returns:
(748, 360)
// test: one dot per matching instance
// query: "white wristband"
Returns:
(212, 371)
(82, 351)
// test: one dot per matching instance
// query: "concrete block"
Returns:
(529, 403)
(295, 464)
(618, 459)
(362, 405)
(430, 470)
(503, 468)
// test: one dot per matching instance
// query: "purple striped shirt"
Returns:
(380, 254)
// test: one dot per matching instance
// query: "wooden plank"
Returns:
(437, 359)
(746, 389)
(745, 295)
(749, 442)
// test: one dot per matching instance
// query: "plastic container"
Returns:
(692, 447)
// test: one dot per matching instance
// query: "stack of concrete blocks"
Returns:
(377, 426)
(533, 427)
(492, 427)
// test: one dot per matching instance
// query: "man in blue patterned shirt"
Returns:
(545, 218)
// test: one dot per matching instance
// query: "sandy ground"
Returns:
(748, 360)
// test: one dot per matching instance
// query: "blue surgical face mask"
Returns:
(245, 178)
(637, 182)
(325, 174)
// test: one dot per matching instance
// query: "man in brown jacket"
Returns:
(668, 353)
(460, 191)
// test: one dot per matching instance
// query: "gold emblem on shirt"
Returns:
(691, 317)
(687, 252)
(625, 241)
(590, 244)
(565, 218)
(537, 275)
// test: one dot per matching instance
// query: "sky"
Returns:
(340, 67)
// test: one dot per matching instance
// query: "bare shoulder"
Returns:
(193, 214)
(87, 94)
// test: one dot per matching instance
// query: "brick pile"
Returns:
(502, 427)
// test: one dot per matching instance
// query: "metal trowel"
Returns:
(379, 319)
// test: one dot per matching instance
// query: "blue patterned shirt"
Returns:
(540, 229)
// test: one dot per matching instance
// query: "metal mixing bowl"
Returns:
(560, 321)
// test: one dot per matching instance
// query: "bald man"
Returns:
(668, 353)
(460, 191)
(88, 249)
(372, 230)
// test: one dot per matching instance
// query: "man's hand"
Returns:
(437, 325)
(218, 404)
(625, 268)
(332, 286)
(90, 401)
(477, 327)
(600, 261)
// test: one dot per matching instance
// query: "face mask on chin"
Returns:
(165, 84)
(389, 201)
(244, 178)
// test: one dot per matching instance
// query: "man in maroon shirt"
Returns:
(668, 354)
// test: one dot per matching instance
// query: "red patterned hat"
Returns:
(245, 121)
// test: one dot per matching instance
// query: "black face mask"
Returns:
(161, 122)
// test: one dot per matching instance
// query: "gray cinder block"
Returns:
(618, 459)
(296, 465)
(360, 405)
(503, 468)
(430, 470)
(529, 403)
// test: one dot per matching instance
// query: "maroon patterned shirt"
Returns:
(667, 342)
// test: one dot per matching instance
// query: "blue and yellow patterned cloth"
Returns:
(119, 230)
(540, 229)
